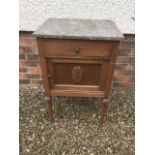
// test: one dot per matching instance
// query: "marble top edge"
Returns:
(67, 28)
(77, 38)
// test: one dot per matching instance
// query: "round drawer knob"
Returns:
(77, 50)
(50, 76)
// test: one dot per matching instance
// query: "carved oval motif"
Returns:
(77, 74)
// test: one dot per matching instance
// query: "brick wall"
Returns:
(30, 72)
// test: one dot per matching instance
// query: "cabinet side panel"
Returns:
(110, 70)
(43, 65)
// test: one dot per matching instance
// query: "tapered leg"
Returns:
(49, 107)
(104, 104)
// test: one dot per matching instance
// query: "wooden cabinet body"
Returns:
(76, 65)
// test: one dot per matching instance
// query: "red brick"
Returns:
(120, 66)
(125, 67)
(130, 67)
(123, 52)
(124, 85)
(24, 81)
(32, 57)
(119, 75)
(117, 72)
(24, 49)
(130, 78)
(125, 76)
(22, 56)
(25, 34)
(33, 76)
(127, 44)
(29, 42)
(20, 42)
(126, 52)
(23, 70)
(125, 59)
(34, 70)
(32, 63)
(21, 50)
(22, 63)
(22, 76)
(132, 51)
(36, 82)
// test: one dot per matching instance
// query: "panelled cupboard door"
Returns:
(76, 74)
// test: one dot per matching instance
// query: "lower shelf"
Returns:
(76, 93)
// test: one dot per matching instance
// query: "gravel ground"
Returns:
(76, 129)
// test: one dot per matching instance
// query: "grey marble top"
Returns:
(79, 29)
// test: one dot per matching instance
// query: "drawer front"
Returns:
(76, 74)
(77, 48)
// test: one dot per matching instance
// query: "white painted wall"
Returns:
(33, 13)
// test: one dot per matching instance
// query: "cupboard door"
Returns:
(73, 74)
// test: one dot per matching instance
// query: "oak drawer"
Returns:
(77, 48)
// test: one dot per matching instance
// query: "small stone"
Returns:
(27, 150)
(94, 116)
(88, 151)
(55, 124)
(73, 150)
(109, 150)
(38, 142)
(42, 127)
(43, 139)
(29, 138)
(42, 110)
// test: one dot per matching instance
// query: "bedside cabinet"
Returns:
(77, 58)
